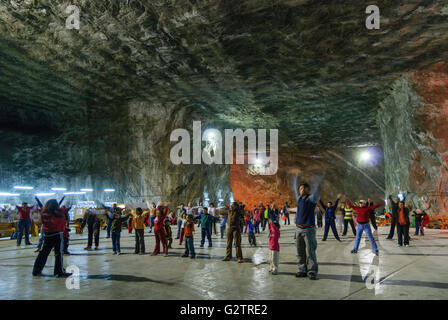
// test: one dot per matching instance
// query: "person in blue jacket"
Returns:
(306, 229)
(330, 217)
(206, 220)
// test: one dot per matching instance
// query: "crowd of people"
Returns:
(52, 219)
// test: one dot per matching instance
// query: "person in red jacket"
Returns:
(159, 232)
(53, 227)
(24, 224)
(363, 219)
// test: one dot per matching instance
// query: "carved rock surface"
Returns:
(415, 137)
(94, 107)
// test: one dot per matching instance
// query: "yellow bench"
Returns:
(7, 229)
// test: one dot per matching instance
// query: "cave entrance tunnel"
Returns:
(94, 107)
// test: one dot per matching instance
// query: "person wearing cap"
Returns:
(362, 218)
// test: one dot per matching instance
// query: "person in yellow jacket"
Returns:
(348, 219)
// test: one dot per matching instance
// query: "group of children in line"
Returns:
(163, 233)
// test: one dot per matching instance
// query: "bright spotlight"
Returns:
(7, 194)
(87, 190)
(109, 190)
(59, 189)
(23, 188)
(366, 156)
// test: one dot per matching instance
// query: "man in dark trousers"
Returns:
(372, 214)
(53, 226)
(306, 230)
(93, 228)
(24, 224)
(234, 233)
(330, 217)
(403, 223)
(393, 223)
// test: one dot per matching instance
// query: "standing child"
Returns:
(159, 230)
(251, 234)
(246, 221)
(206, 226)
(274, 246)
(139, 225)
(130, 224)
(222, 225)
(66, 240)
(189, 241)
(168, 233)
(425, 221)
(117, 221)
(182, 228)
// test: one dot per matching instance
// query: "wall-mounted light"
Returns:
(366, 156)
(73, 193)
(23, 188)
(87, 190)
(109, 190)
(59, 189)
(45, 194)
(7, 194)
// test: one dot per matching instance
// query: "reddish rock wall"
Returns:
(432, 86)
(413, 123)
(339, 177)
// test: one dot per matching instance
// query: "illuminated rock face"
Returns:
(415, 137)
(342, 174)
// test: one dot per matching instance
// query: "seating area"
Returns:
(438, 222)
(7, 229)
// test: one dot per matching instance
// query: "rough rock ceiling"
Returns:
(310, 68)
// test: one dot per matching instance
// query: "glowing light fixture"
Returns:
(221, 200)
(109, 190)
(73, 193)
(45, 194)
(366, 156)
(7, 194)
(23, 188)
(87, 190)
(59, 189)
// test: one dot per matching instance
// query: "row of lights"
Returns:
(82, 191)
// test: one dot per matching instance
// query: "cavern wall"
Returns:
(126, 149)
(412, 120)
(341, 172)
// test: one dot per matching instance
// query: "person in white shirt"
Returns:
(212, 212)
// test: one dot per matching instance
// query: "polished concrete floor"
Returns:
(418, 272)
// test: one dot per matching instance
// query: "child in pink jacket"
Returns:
(274, 247)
